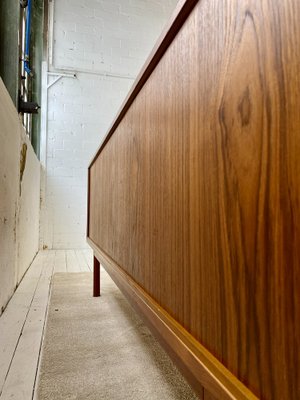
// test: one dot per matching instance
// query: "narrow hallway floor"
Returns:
(22, 322)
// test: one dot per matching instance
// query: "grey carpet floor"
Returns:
(98, 348)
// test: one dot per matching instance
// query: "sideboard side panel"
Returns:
(196, 195)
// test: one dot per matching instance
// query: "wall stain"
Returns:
(23, 155)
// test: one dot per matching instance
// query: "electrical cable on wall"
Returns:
(27, 39)
(27, 107)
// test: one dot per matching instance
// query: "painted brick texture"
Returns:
(93, 37)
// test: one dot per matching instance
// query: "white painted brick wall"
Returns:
(93, 36)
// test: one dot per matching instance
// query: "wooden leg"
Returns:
(96, 292)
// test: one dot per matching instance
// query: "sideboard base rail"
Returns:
(200, 368)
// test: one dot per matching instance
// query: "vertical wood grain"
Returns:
(196, 195)
(207, 395)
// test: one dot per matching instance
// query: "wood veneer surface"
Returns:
(208, 396)
(196, 195)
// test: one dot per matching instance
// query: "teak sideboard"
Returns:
(194, 197)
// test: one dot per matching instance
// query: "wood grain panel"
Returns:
(195, 194)
(198, 366)
(208, 396)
